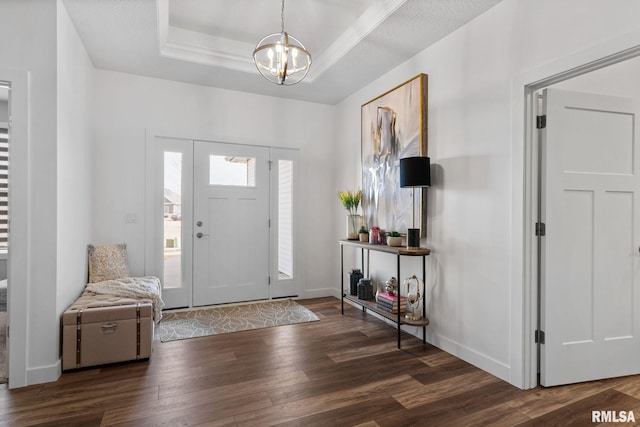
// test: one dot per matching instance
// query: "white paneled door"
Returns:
(230, 223)
(590, 311)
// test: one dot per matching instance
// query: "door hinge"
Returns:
(269, 222)
(541, 121)
(269, 279)
(541, 229)
(539, 337)
(270, 162)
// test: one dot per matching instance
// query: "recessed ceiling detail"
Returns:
(216, 50)
(201, 48)
(211, 42)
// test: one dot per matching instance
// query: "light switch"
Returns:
(130, 218)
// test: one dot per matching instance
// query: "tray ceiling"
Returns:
(210, 42)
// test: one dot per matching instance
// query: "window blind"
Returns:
(285, 217)
(4, 188)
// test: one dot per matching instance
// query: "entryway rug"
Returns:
(231, 318)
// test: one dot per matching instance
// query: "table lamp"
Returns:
(414, 172)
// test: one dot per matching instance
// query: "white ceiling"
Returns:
(210, 42)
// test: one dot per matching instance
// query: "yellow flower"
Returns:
(350, 200)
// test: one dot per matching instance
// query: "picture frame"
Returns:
(393, 126)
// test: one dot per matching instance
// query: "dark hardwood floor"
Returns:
(340, 371)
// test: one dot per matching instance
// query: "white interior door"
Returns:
(590, 310)
(231, 223)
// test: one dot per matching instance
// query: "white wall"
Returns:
(127, 105)
(74, 104)
(28, 42)
(34, 37)
(471, 73)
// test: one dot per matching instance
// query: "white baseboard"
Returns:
(480, 360)
(476, 358)
(319, 293)
(44, 374)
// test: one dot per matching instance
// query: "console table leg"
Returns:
(342, 277)
(399, 298)
(424, 298)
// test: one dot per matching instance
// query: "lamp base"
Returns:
(413, 238)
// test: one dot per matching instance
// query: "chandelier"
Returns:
(281, 58)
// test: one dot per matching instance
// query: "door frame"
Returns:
(290, 287)
(154, 233)
(18, 260)
(525, 190)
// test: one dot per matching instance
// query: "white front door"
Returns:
(590, 311)
(230, 223)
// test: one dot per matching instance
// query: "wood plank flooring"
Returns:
(340, 371)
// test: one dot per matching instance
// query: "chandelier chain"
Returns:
(282, 18)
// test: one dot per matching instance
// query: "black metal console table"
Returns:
(371, 304)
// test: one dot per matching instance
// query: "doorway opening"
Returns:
(590, 77)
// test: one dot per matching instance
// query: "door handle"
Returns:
(200, 235)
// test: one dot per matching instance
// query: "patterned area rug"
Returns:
(223, 319)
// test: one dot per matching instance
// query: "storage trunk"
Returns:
(100, 335)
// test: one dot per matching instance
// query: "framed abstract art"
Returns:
(394, 125)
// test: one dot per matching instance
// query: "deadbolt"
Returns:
(199, 223)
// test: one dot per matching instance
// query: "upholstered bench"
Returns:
(112, 321)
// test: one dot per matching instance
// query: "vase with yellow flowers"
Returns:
(351, 200)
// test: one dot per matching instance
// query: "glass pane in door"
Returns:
(232, 170)
(172, 238)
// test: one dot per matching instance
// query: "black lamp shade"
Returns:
(415, 172)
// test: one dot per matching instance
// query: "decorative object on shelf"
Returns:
(393, 125)
(414, 172)
(351, 200)
(374, 235)
(398, 319)
(281, 58)
(391, 286)
(354, 277)
(363, 234)
(415, 292)
(365, 289)
(394, 238)
(382, 237)
(389, 302)
(353, 222)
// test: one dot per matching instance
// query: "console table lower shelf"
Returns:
(373, 307)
